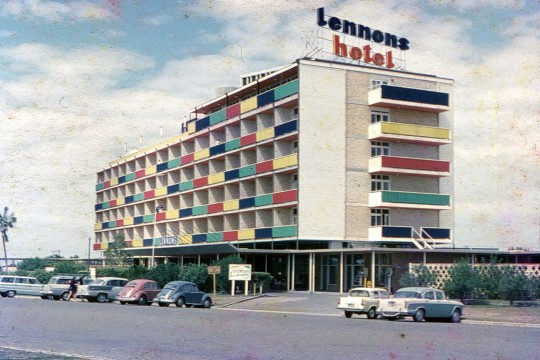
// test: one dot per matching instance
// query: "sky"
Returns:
(81, 82)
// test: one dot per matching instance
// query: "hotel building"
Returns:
(324, 173)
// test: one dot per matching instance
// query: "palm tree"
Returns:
(6, 221)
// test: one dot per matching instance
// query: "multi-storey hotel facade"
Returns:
(322, 173)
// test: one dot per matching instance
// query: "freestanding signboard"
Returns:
(214, 270)
(239, 272)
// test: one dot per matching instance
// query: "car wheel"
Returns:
(163, 304)
(456, 316)
(348, 314)
(393, 318)
(142, 300)
(64, 296)
(207, 303)
(180, 302)
(44, 297)
(101, 298)
(91, 300)
(122, 303)
(10, 293)
(371, 314)
(55, 297)
(3, 294)
(419, 315)
(189, 305)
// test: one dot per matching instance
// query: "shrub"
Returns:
(137, 272)
(263, 279)
(419, 276)
(164, 273)
(112, 272)
(197, 274)
(516, 285)
(490, 277)
(69, 267)
(464, 282)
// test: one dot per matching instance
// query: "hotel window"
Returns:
(294, 216)
(294, 145)
(375, 84)
(380, 217)
(379, 116)
(294, 181)
(379, 148)
(295, 114)
(380, 182)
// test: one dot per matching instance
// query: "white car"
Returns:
(11, 285)
(102, 289)
(362, 300)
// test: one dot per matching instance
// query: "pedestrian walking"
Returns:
(73, 288)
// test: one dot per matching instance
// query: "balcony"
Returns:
(410, 166)
(409, 200)
(415, 134)
(422, 238)
(409, 99)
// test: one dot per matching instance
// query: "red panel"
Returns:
(187, 158)
(264, 166)
(161, 216)
(112, 203)
(232, 111)
(120, 222)
(106, 184)
(97, 246)
(139, 174)
(230, 235)
(214, 208)
(415, 164)
(128, 243)
(148, 194)
(200, 182)
(284, 196)
(248, 139)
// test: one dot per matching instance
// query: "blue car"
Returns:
(182, 293)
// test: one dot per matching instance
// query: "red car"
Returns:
(140, 291)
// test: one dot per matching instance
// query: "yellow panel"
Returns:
(246, 234)
(171, 214)
(289, 160)
(265, 134)
(128, 221)
(160, 191)
(137, 243)
(216, 178)
(150, 170)
(415, 130)
(201, 154)
(191, 127)
(120, 201)
(231, 205)
(185, 239)
(98, 226)
(114, 181)
(104, 246)
(248, 104)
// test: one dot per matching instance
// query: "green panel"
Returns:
(112, 224)
(415, 198)
(263, 200)
(157, 241)
(232, 144)
(130, 177)
(100, 186)
(217, 117)
(286, 90)
(200, 210)
(106, 205)
(247, 171)
(173, 163)
(284, 231)
(214, 237)
(186, 185)
(138, 197)
(148, 218)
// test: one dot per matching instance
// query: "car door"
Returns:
(429, 303)
(444, 309)
(116, 287)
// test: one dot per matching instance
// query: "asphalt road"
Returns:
(276, 327)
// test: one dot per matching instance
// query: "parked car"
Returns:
(421, 303)
(140, 291)
(58, 287)
(182, 293)
(11, 285)
(102, 289)
(362, 300)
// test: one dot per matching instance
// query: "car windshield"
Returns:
(131, 284)
(98, 282)
(359, 293)
(407, 295)
(169, 287)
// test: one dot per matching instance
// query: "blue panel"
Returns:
(414, 95)
(105, 225)
(198, 238)
(148, 242)
(186, 212)
(438, 233)
(266, 98)
(171, 189)
(397, 231)
(99, 206)
(285, 128)
(163, 166)
(218, 149)
(122, 179)
(263, 233)
(232, 174)
(202, 124)
(128, 199)
(247, 203)
(138, 220)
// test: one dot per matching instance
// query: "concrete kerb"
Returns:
(231, 300)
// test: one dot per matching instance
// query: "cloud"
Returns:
(54, 11)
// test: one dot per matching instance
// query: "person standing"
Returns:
(73, 288)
